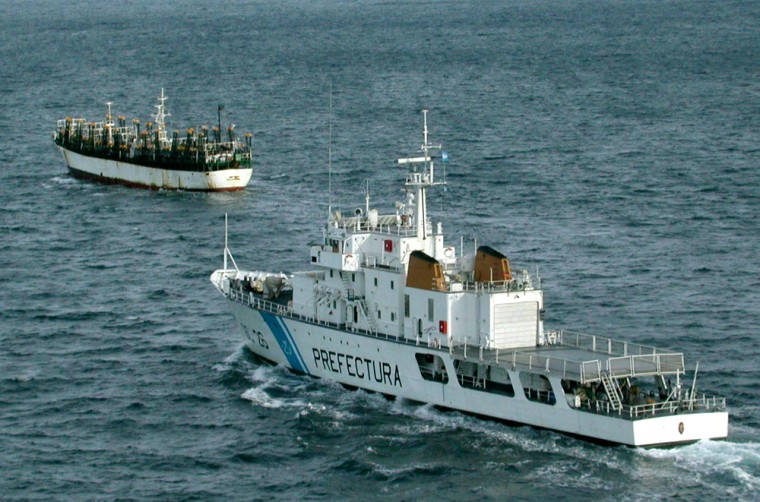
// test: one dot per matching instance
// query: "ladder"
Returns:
(371, 322)
(367, 315)
(612, 388)
(347, 285)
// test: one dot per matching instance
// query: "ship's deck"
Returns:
(584, 358)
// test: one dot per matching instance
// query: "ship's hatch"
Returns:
(515, 325)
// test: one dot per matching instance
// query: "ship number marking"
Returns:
(254, 334)
(262, 340)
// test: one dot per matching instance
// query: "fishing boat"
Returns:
(387, 305)
(148, 157)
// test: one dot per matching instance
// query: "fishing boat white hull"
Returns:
(134, 175)
(390, 366)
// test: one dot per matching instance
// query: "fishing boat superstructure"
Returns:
(127, 154)
(390, 307)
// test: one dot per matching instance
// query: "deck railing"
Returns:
(383, 227)
(598, 343)
(633, 412)
(629, 359)
(581, 371)
(251, 300)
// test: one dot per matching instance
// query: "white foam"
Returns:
(235, 356)
(278, 379)
(230, 360)
(431, 420)
(263, 374)
(740, 461)
(63, 181)
(259, 397)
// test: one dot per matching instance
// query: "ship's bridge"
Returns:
(377, 241)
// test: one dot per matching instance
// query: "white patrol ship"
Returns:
(391, 308)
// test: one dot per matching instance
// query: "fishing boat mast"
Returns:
(161, 118)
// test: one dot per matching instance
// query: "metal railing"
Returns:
(630, 359)
(581, 371)
(598, 343)
(361, 224)
(512, 286)
(251, 300)
(705, 404)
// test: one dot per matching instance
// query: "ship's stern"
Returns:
(680, 428)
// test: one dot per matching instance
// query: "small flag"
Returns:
(444, 156)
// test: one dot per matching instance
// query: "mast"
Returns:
(329, 159)
(161, 118)
(109, 123)
(219, 117)
(420, 181)
(366, 196)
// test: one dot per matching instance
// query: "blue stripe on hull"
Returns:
(285, 341)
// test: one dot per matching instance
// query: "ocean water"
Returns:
(612, 145)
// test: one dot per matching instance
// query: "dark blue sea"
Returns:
(614, 145)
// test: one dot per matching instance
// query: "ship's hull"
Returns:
(391, 367)
(134, 175)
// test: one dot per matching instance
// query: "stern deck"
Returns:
(585, 358)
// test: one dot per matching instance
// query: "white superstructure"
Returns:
(390, 307)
